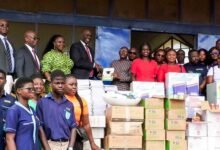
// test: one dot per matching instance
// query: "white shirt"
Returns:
(33, 54)
(84, 44)
(11, 51)
(216, 72)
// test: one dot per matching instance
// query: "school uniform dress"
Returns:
(165, 68)
(57, 120)
(25, 124)
(6, 101)
(144, 70)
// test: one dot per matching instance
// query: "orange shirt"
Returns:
(77, 108)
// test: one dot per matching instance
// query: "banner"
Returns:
(207, 41)
(108, 43)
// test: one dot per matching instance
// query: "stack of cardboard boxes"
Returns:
(175, 124)
(98, 124)
(197, 136)
(124, 127)
(212, 117)
(178, 87)
(88, 90)
(154, 133)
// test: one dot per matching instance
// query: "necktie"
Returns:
(90, 58)
(88, 53)
(8, 56)
(35, 60)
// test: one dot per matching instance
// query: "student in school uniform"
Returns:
(56, 114)
(22, 125)
(6, 101)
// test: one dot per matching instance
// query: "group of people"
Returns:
(41, 113)
(152, 66)
(35, 119)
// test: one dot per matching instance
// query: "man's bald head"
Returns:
(4, 27)
(30, 38)
(86, 36)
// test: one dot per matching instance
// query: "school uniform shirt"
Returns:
(57, 118)
(6, 101)
(77, 107)
(144, 70)
(165, 68)
(197, 68)
(215, 72)
(25, 124)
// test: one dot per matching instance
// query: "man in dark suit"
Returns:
(83, 57)
(7, 60)
(27, 62)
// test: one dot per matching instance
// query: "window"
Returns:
(176, 44)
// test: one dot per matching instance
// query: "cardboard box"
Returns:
(213, 92)
(194, 101)
(174, 104)
(125, 113)
(176, 145)
(86, 145)
(154, 145)
(154, 124)
(192, 112)
(97, 121)
(175, 124)
(148, 89)
(152, 103)
(197, 129)
(154, 134)
(175, 135)
(179, 85)
(213, 143)
(114, 141)
(176, 114)
(154, 113)
(211, 115)
(125, 128)
(197, 143)
(98, 133)
(214, 129)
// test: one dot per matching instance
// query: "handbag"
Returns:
(81, 132)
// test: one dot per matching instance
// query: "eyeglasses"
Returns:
(160, 55)
(4, 25)
(30, 89)
(215, 53)
(133, 53)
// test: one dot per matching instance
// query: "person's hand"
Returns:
(49, 79)
(98, 67)
(115, 75)
(94, 147)
(47, 148)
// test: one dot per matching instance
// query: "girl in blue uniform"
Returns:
(22, 124)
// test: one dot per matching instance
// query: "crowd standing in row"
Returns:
(50, 120)
(35, 119)
(152, 66)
